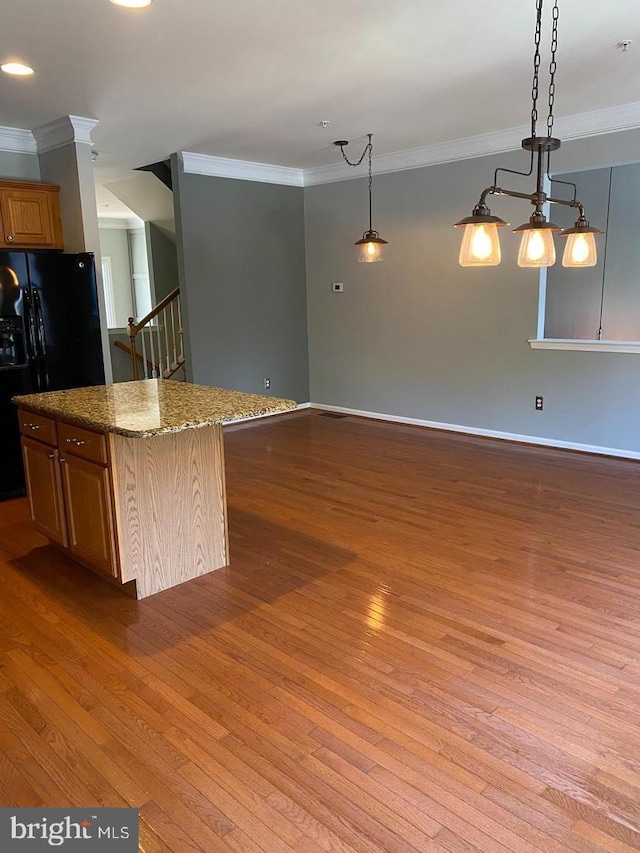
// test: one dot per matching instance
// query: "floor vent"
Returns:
(336, 415)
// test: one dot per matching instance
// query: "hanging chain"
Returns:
(370, 147)
(552, 68)
(536, 68)
(364, 154)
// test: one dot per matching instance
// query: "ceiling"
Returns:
(253, 80)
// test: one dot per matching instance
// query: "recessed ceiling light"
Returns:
(17, 68)
(133, 4)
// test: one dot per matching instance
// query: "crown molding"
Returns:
(63, 131)
(597, 122)
(243, 170)
(578, 126)
(17, 140)
(496, 142)
(594, 123)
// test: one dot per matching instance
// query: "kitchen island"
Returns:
(130, 477)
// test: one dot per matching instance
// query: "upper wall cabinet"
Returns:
(30, 216)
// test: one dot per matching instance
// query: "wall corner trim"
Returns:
(543, 441)
(63, 131)
(17, 140)
(243, 170)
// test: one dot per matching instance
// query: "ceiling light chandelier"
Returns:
(370, 247)
(480, 242)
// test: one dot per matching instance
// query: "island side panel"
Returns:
(170, 504)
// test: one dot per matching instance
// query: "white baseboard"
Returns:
(489, 433)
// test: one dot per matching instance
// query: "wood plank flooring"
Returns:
(425, 643)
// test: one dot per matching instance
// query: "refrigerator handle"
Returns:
(41, 344)
(31, 345)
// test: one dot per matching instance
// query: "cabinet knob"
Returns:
(32, 426)
(51, 455)
(77, 441)
(10, 238)
(62, 459)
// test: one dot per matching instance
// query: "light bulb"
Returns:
(369, 252)
(537, 248)
(480, 245)
(580, 250)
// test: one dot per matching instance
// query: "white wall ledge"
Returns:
(584, 345)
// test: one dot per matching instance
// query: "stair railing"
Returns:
(161, 340)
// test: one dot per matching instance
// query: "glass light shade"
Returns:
(369, 252)
(132, 4)
(480, 245)
(19, 69)
(580, 250)
(537, 248)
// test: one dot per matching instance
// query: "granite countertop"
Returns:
(150, 406)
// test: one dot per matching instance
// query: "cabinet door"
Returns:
(87, 495)
(31, 218)
(44, 487)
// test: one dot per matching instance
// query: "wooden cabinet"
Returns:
(87, 499)
(30, 216)
(69, 489)
(44, 485)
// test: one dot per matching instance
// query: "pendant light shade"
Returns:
(480, 246)
(537, 248)
(370, 248)
(580, 250)
(480, 241)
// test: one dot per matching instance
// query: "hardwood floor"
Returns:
(425, 642)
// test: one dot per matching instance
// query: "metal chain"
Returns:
(536, 68)
(370, 147)
(364, 154)
(552, 67)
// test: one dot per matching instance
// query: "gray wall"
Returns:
(163, 262)
(114, 243)
(19, 167)
(121, 361)
(243, 283)
(418, 336)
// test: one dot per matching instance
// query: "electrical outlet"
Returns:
(337, 286)
(539, 402)
(267, 383)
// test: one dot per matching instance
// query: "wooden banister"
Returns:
(134, 327)
(164, 339)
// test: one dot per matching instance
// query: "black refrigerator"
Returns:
(49, 339)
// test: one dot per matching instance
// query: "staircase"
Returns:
(156, 342)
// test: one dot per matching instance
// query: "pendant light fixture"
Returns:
(370, 247)
(480, 242)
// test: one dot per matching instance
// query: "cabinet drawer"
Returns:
(37, 426)
(82, 442)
